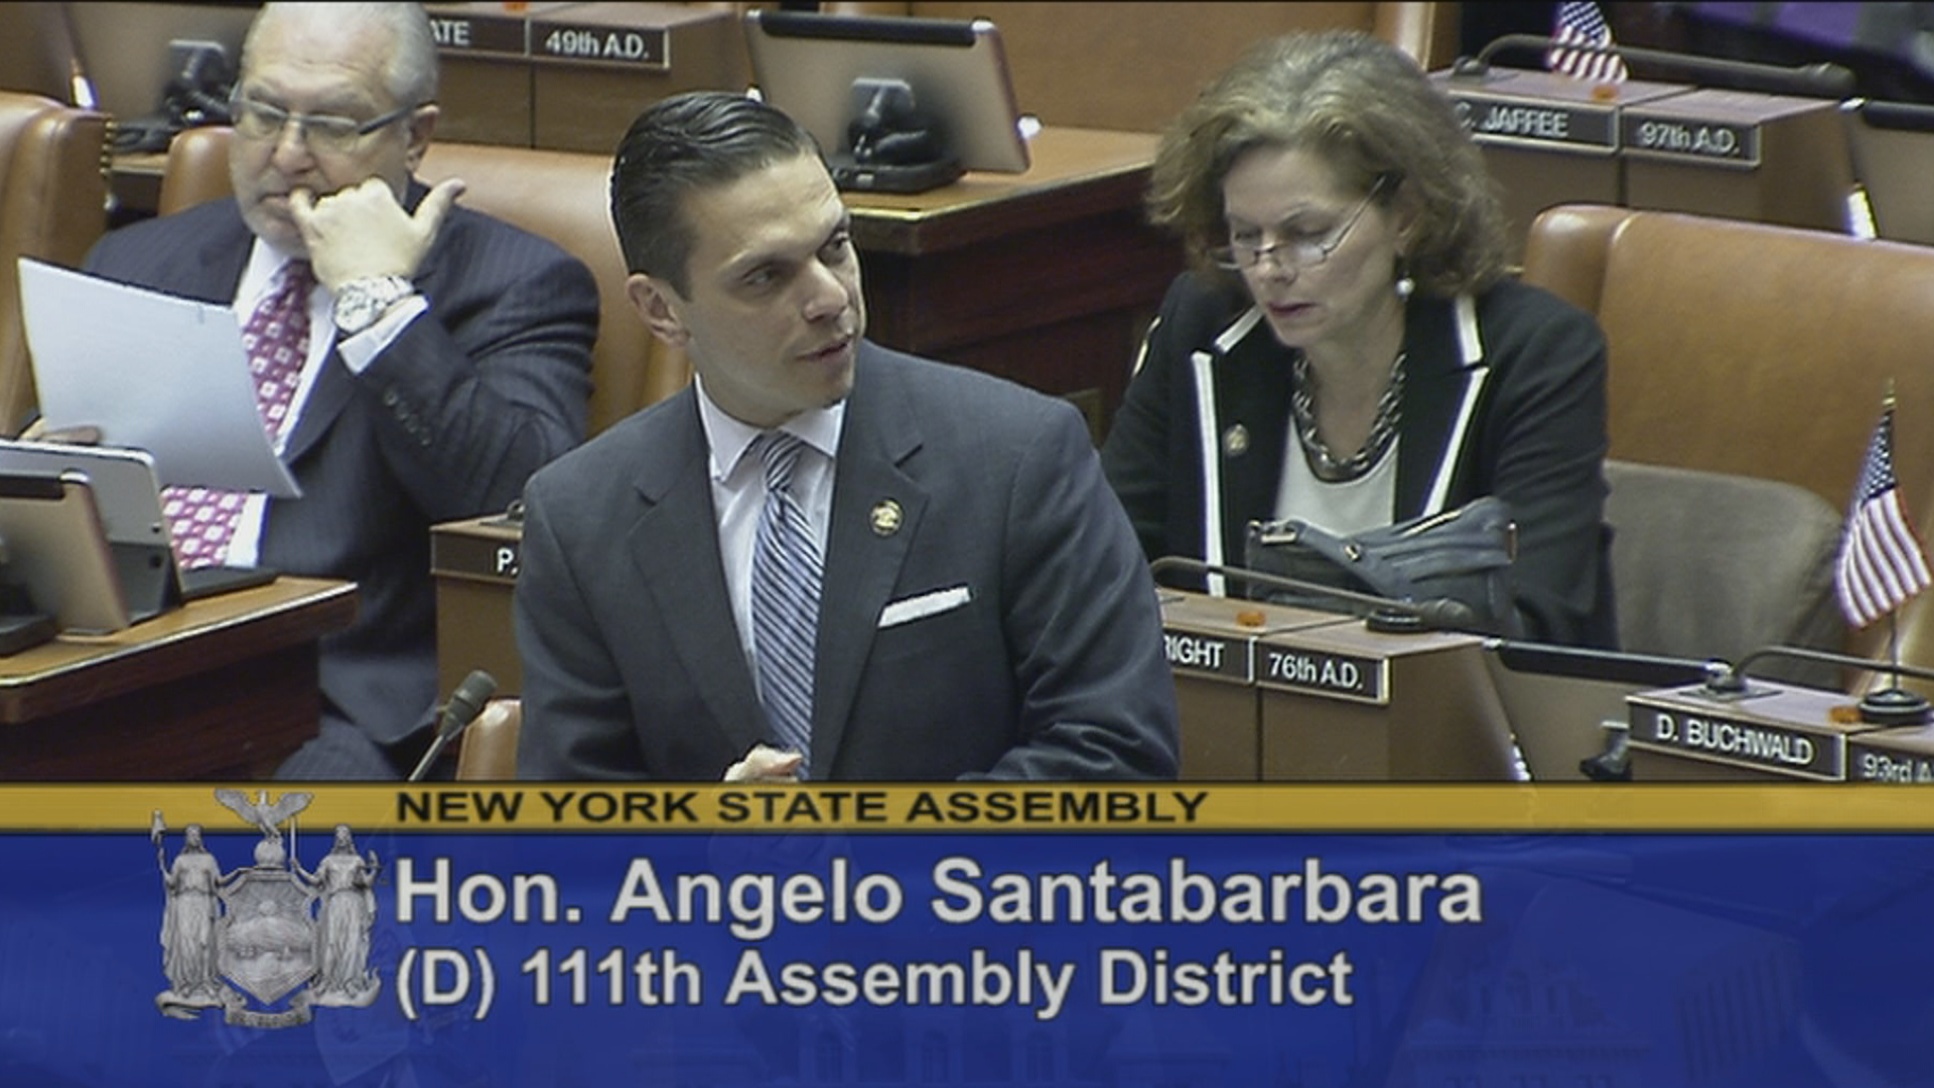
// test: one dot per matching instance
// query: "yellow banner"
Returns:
(1165, 807)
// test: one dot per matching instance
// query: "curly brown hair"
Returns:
(1364, 107)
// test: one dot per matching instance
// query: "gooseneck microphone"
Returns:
(465, 704)
(1386, 614)
(1888, 706)
(1616, 666)
(1807, 80)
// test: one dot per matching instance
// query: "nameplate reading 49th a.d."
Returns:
(635, 46)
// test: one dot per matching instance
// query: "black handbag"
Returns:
(1454, 558)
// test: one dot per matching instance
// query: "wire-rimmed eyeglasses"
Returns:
(257, 120)
(1294, 253)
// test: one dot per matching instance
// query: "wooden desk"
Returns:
(1048, 278)
(222, 688)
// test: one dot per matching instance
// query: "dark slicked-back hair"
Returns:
(685, 144)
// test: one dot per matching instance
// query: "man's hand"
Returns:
(361, 231)
(766, 764)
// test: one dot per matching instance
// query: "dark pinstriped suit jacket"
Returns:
(447, 422)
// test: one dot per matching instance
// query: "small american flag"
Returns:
(1584, 24)
(1882, 562)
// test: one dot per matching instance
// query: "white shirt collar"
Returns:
(264, 261)
(728, 438)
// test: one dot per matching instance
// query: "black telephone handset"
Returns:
(21, 624)
(196, 95)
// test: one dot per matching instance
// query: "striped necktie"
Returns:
(785, 597)
(202, 519)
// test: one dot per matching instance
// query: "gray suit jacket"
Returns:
(1052, 667)
(447, 422)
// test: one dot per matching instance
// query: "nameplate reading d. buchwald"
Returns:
(1742, 742)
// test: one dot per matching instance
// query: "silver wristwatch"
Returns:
(360, 303)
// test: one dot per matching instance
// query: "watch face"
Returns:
(361, 302)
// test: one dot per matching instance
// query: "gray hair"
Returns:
(411, 75)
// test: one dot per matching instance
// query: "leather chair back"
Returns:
(560, 195)
(488, 749)
(53, 207)
(1757, 350)
(1712, 564)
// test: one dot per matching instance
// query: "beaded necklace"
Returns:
(1383, 430)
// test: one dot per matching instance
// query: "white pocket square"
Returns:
(926, 604)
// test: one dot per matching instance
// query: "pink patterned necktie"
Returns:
(276, 337)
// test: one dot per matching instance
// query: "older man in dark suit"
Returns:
(434, 357)
(827, 560)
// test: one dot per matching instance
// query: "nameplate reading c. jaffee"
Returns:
(1741, 742)
(1512, 121)
(1224, 657)
(1319, 672)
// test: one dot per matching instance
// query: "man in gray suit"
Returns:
(448, 354)
(975, 603)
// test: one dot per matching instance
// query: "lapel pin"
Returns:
(1235, 440)
(886, 517)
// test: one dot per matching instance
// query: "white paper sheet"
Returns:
(152, 371)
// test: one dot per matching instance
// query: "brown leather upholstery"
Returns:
(1712, 564)
(1757, 350)
(557, 194)
(1134, 66)
(53, 206)
(488, 749)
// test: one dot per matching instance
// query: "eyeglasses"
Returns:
(257, 120)
(1293, 254)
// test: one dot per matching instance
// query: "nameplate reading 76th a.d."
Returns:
(1318, 672)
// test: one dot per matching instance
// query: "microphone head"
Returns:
(468, 700)
(1447, 614)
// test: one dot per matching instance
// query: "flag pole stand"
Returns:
(1893, 705)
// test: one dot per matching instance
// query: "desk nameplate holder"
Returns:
(1775, 732)
(475, 564)
(1901, 757)
(1548, 138)
(1739, 155)
(1212, 653)
(1343, 702)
